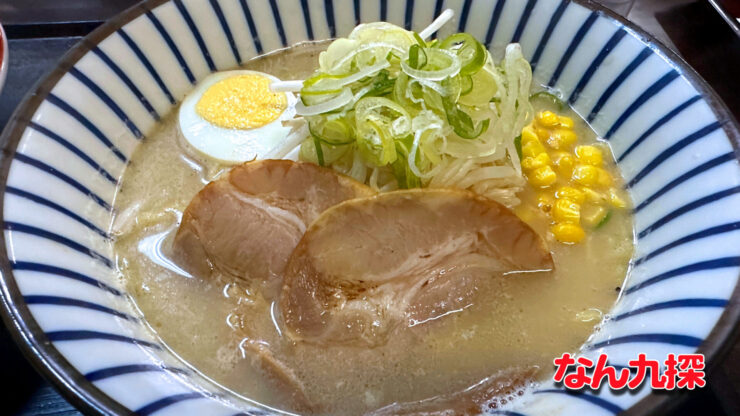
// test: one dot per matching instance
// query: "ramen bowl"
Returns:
(69, 142)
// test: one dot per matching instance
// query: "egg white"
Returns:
(226, 145)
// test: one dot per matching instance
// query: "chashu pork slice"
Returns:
(247, 223)
(404, 257)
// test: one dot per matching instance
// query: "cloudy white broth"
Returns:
(510, 330)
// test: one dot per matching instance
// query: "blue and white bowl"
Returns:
(69, 142)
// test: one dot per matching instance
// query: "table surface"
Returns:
(41, 31)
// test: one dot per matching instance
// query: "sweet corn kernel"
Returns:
(566, 211)
(548, 118)
(561, 139)
(566, 122)
(586, 175)
(616, 199)
(568, 233)
(542, 134)
(542, 177)
(605, 179)
(531, 163)
(565, 163)
(593, 196)
(569, 192)
(532, 149)
(590, 155)
(592, 215)
(529, 135)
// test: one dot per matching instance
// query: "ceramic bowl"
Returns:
(69, 142)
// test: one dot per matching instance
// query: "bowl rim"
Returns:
(88, 398)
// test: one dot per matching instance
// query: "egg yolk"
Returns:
(241, 102)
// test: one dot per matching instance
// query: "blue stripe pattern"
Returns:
(307, 19)
(171, 44)
(523, 20)
(547, 34)
(227, 30)
(672, 339)
(74, 149)
(56, 207)
(626, 72)
(63, 177)
(712, 163)
(596, 63)
(110, 372)
(74, 245)
(252, 27)
(196, 34)
(493, 24)
(463, 21)
(598, 401)
(666, 118)
(81, 335)
(167, 401)
(658, 86)
(709, 199)
(674, 304)
(664, 155)
(356, 5)
(64, 301)
(126, 80)
(408, 15)
(572, 46)
(709, 232)
(721, 263)
(117, 110)
(278, 23)
(61, 272)
(64, 106)
(384, 10)
(147, 64)
(329, 12)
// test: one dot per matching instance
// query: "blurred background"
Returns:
(705, 33)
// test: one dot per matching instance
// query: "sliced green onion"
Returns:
(518, 146)
(466, 84)
(319, 150)
(440, 63)
(604, 220)
(471, 52)
(548, 97)
(461, 122)
(334, 132)
(417, 57)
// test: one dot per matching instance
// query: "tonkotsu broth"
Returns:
(516, 321)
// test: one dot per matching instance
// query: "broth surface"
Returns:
(516, 322)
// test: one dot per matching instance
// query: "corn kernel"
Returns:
(566, 122)
(568, 233)
(543, 134)
(586, 175)
(529, 135)
(565, 163)
(532, 149)
(548, 118)
(569, 192)
(616, 199)
(592, 215)
(561, 139)
(590, 155)
(566, 211)
(542, 177)
(605, 179)
(593, 196)
(531, 163)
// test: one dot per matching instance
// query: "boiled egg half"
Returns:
(233, 116)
